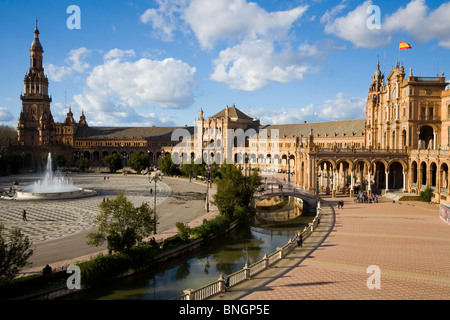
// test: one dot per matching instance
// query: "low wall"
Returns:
(444, 213)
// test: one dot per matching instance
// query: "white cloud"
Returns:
(283, 115)
(237, 20)
(165, 19)
(118, 54)
(117, 88)
(342, 108)
(416, 19)
(353, 27)
(253, 64)
(75, 63)
(5, 115)
(419, 22)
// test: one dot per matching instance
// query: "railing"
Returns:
(249, 271)
(437, 79)
(359, 150)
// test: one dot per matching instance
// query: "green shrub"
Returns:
(183, 230)
(240, 213)
(102, 268)
(426, 195)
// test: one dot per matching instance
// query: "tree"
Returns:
(15, 251)
(166, 165)
(122, 225)
(183, 230)
(8, 135)
(138, 161)
(113, 162)
(83, 164)
(233, 189)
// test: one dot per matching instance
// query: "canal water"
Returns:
(225, 256)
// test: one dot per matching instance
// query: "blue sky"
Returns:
(157, 62)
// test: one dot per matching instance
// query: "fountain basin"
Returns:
(75, 193)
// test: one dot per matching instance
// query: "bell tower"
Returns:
(373, 106)
(35, 121)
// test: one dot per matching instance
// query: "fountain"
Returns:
(52, 187)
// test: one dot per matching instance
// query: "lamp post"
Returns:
(157, 177)
(317, 181)
(208, 167)
(289, 168)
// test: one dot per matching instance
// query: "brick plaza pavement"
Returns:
(407, 241)
(50, 219)
(57, 228)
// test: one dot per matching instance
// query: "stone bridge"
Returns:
(308, 198)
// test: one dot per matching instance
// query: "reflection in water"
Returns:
(226, 256)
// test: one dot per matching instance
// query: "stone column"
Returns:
(387, 181)
(333, 195)
(404, 181)
(321, 178)
(352, 186)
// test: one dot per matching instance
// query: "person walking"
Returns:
(24, 215)
(299, 240)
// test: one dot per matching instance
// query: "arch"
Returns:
(433, 177)
(345, 161)
(426, 134)
(414, 172)
(284, 160)
(400, 161)
(380, 168)
(423, 176)
(395, 170)
(327, 160)
(444, 177)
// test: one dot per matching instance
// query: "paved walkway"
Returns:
(58, 228)
(407, 241)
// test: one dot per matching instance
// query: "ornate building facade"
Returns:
(402, 144)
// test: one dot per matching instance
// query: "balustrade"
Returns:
(249, 271)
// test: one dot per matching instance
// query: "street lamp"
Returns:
(208, 167)
(157, 177)
(317, 181)
(289, 168)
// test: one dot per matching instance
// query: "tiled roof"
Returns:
(127, 132)
(233, 112)
(344, 128)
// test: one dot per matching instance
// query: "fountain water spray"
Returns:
(52, 187)
(51, 183)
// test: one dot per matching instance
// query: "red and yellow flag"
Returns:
(404, 45)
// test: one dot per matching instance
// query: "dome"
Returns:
(36, 44)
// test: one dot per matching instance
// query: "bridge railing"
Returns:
(250, 271)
